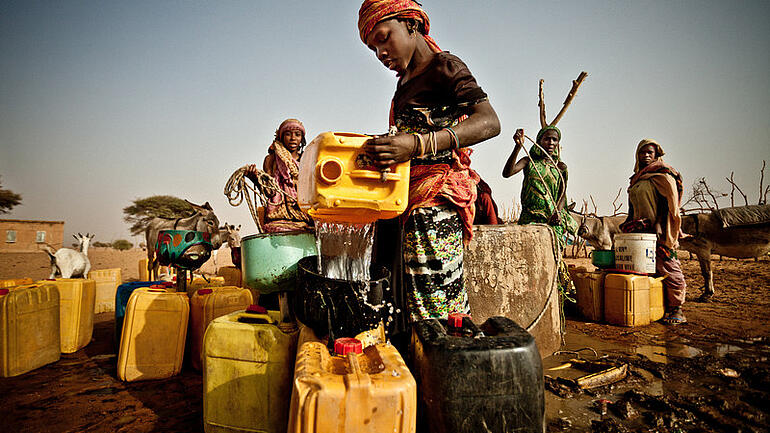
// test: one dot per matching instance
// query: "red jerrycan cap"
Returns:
(158, 286)
(455, 320)
(167, 284)
(4, 292)
(343, 346)
(205, 291)
(255, 309)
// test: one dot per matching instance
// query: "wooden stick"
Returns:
(761, 180)
(732, 182)
(541, 104)
(570, 96)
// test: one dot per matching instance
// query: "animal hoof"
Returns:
(705, 297)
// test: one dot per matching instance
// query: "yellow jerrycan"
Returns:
(627, 299)
(232, 276)
(657, 308)
(247, 369)
(208, 304)
(352, 390)
(153, 336)
(107, 282)
(590, 294)
(77, 298)
(338, 183)
(15, 282)
(29, 328)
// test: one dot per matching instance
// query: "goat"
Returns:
(203, 220)
(68, 262)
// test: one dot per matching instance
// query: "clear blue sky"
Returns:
(105, 102)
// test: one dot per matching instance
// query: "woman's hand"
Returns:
(388, 150)
(518, 137)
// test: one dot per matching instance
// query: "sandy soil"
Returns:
(708, 375)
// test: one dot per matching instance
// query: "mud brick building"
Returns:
(28, 235)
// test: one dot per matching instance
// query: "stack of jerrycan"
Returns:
(153, 336)
(29, 328)
(627, 298)
(15, 282)
(208, 304)
(247, 369)
(107, 282)
(77, 297)
(122, 294)
(474, 380)
(352, 390)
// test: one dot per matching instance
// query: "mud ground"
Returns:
(708, 375)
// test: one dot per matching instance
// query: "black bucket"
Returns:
(339, 308)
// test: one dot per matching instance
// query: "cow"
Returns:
(708, 236)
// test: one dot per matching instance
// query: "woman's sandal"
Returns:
(675, 318)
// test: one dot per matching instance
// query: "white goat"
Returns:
(68, 262)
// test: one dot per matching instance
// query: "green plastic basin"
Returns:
(269, 260)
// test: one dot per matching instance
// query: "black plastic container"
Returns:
(339, 308)
(481, 379)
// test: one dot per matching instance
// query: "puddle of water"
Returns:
(662, 353)
(722, 350)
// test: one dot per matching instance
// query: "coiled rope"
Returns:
(237, 190)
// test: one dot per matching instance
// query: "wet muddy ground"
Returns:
(708, 375)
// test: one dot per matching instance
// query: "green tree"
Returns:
(8, 199)
(142, 210)
(122, 245)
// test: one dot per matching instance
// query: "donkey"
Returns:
(203, 220)
(597, 230)
(68, 262)
(231, 235)
(708, 237)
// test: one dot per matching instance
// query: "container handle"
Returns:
(468, 324)
(255, 318)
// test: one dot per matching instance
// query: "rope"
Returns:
(237, 189)
(557, 256)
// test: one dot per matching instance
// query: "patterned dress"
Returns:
(540, 194)
(432, 247)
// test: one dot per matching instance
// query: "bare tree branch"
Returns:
(761, 181)
(570, 96)
(735, 186)
(541, 104)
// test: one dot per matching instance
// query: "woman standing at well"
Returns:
(654, 198)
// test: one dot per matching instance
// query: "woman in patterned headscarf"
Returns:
(282, 212)
(544, 190)
(654, 198)
(438, 110)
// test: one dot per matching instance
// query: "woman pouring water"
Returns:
(654, 198)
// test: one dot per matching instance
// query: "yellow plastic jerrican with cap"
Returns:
(365, 390)
(338, 183)
(29, 328)
(248, 361)
(208, 304)
(153, 336)
(77, 298)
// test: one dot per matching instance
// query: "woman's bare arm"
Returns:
(511, 166)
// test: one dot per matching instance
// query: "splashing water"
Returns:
(344, 250)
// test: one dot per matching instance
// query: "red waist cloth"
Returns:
(436, 184)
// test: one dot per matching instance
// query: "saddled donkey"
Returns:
(203, 220)
(713, 233)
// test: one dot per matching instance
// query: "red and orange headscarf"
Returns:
(374, 11)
